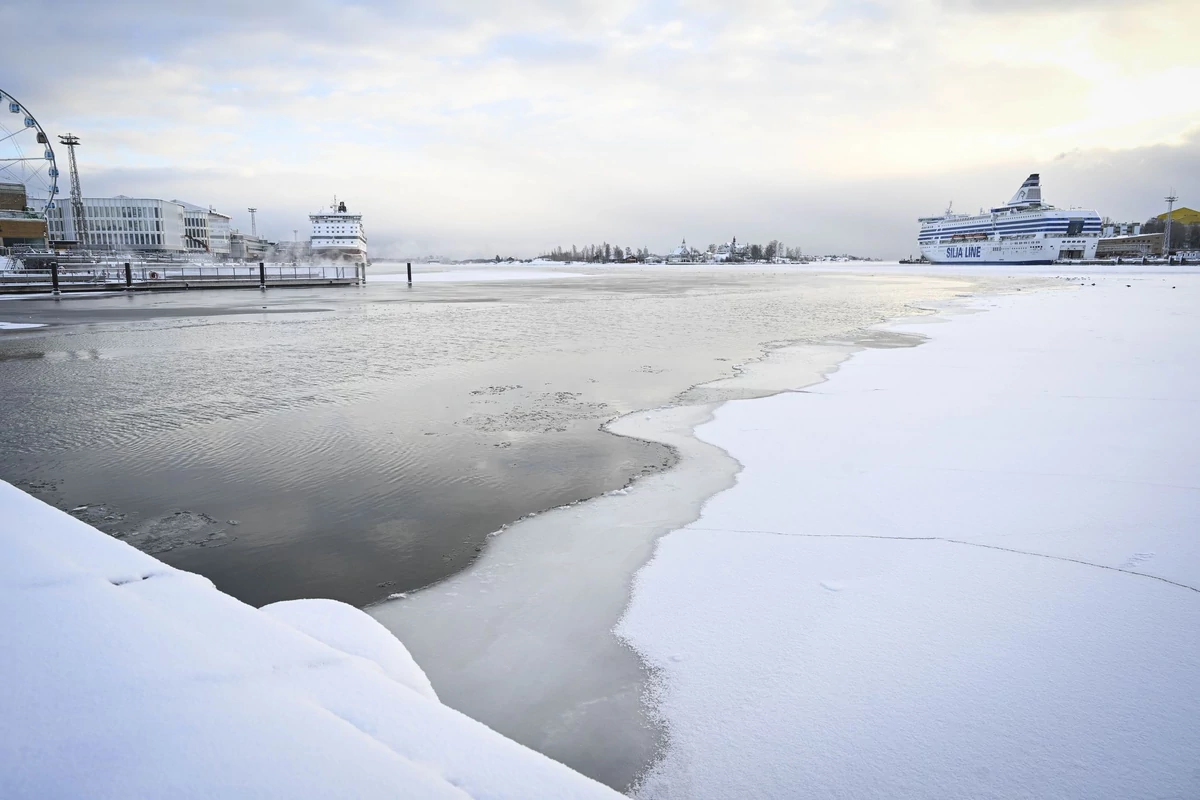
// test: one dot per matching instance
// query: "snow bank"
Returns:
(123, 677)
(345, 628)
(966, 569)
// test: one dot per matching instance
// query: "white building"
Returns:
(682, 254)
(205, 230)
(1112, 229)
(120, 223)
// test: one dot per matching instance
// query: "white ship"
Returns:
(1025, 231)
(338, 234)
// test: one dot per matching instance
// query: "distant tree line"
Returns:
(770, 251)
(1183, 237)
(606, 253)
(597, 253)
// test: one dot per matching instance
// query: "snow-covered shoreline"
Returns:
(961, 570)
(124, 677)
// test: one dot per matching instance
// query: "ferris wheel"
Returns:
(26, 156)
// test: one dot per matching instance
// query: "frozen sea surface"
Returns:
(522, 640)
(965, 569)
(354, 443)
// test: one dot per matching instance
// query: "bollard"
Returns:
(409, 265)
(262, 276)
(54, 276)
(128, 277)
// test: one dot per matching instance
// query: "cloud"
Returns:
(469, 127)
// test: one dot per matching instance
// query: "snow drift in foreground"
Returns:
(966, 569)
(123, 677)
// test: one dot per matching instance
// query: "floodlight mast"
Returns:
(81, 235)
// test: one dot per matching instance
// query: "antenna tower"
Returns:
(253, 226)
(1170, 198)
(71, 141)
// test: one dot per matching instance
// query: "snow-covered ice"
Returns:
(17, 326)
(965, 569)
(534, 616)
(122, 677)
(474, 275)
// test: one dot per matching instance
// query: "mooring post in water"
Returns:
(262, 276)
(409, 265)
(54, 276)
(128, 277)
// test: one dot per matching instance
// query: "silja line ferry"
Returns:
(1024, 231)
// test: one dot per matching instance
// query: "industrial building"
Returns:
(1181, 216)
(18, 225)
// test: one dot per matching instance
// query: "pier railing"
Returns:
(152, 275)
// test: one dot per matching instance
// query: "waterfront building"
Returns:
(1138, 245)
(681, 254)
(730, 251)
(19, 226)
(121, 223)
(244, 247)
(1111, 229)
(205, 230)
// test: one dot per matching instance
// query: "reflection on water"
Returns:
(350, 443)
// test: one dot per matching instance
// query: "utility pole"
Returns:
(1170, 198)
(71, 141)
(253, 226)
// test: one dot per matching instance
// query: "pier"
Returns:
(152, 276)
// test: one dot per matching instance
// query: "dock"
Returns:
(153, 277)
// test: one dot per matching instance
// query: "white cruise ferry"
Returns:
(1025, 231)
(338, 234)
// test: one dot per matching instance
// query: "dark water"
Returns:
(319, 452)
(354, 442)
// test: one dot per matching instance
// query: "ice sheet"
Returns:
(474, 276)
(967, 569)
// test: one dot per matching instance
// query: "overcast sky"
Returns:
(483, 126)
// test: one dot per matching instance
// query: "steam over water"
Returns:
(352, 443)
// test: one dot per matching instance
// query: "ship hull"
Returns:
(990, 251)
(339, 254)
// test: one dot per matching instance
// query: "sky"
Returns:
(470, 128)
